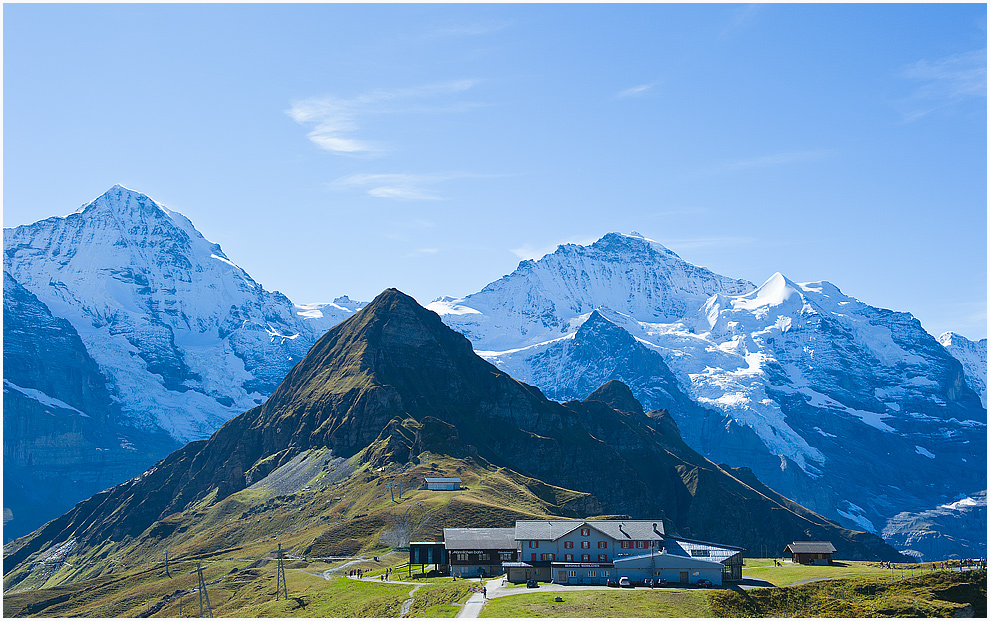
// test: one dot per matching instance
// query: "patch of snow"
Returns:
(965, 503)
(42, 398)
(859, 520)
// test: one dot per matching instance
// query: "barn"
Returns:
(811, 552)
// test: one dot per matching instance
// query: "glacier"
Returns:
(831, 401)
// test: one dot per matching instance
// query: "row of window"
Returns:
(592, 573)
(585, 558)
(629, 545)
(602, 545)
(463, 556)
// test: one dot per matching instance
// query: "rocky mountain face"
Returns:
(852, 410)
(395, 382)
(169, 338)
(59, 440)
(955, 528)
(973, 356)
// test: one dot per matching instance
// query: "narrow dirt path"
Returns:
(407, 605)
(328, 573)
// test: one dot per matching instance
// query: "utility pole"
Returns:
(391, 489)
(204, 598)
(280, 587)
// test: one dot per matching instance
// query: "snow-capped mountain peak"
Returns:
(541, 300)
(774, 292)
(806, 385)
(187, 336)
(973, 356)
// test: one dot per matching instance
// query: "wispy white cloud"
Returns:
(944, 82)
(402, 186)
(420, 252)
(634, 91)
(335, 120)
(741, 18)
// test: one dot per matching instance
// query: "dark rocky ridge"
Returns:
(56, 455)
(395, 376)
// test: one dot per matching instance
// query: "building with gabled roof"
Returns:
(441, 483)
(593, 551)
(811, 552)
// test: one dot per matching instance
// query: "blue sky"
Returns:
(343, 149)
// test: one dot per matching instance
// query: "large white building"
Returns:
(596, 551)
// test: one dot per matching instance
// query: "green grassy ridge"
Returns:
(789, 573)
(933, 594)
(250, 524)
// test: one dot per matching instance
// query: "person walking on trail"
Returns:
(484, 592)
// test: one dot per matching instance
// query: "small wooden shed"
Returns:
(811, 552)
(442, 483)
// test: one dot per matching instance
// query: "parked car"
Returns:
(611, 583)
(704, 583)
(532, 584)
(660, 582)
(624, 582)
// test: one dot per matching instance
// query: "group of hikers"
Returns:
(973, 563)
(359, 574)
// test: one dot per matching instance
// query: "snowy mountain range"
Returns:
(185, 337)
(854, 411)
(173, 339)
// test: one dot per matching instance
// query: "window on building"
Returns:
(585, 545)
(505, 556)
(603, 558)
(568, 557)
(586, 557)
(532, 556)
(585, 532)
(546, 557)
(534, 544)
(568, 544)
(642, 544)
(571, 573)
(602, 545)
(700, 553)
(592, 573)
(626, 545)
